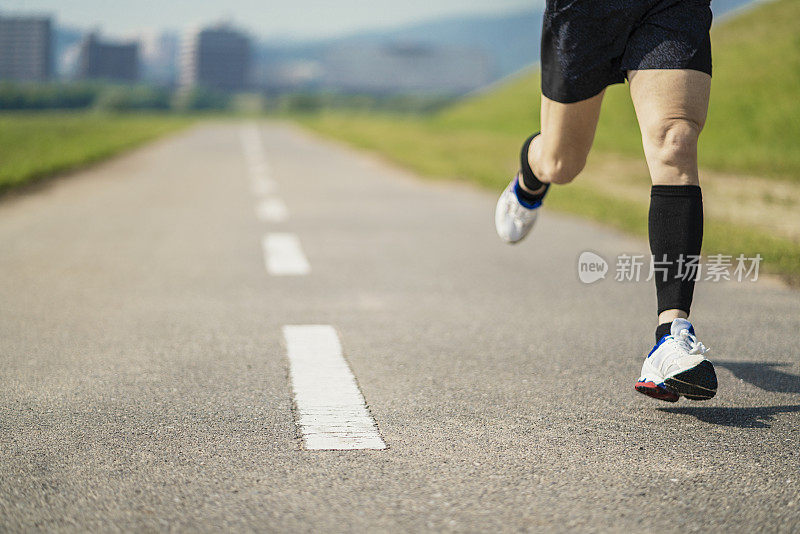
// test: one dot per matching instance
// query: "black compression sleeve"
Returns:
(528, 178)
(676, 236)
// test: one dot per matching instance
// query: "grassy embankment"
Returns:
(37, 145)
(750, 151)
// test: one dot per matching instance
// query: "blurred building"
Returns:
(99, 60)
(406, 67)
(216, 58)
(26, 45)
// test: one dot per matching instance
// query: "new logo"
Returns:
(591, 267)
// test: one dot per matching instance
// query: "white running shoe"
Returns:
(512, 219)
(677, 366)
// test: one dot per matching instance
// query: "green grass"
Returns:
(37, 145)
(753, 128)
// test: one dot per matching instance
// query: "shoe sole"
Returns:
(698, 383)
(652, 390)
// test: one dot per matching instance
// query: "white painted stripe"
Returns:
(331, 411)
(263, 188)
(251, 142)
(284, 256)
(253, 154)
(272, 210)
(256, 161)
(258, 169)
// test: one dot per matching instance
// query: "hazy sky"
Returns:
(265, 18)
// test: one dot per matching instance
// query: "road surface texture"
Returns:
(145, 382)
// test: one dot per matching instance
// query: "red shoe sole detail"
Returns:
(652, 390)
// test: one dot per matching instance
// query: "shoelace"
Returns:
(695, 347)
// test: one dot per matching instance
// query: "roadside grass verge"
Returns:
(34, 146)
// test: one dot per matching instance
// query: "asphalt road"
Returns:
(145, 382)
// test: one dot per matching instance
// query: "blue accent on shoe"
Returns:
(661, 385)
(660, 342)
(524, 203)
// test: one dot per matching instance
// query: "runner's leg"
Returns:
(559, 153)
(671, 106)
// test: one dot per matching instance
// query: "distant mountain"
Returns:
(511, 40)
(482, 49)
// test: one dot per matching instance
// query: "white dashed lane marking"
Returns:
(257, 167)
(262, 188)
(331, 411)
(284, 256)
(272, 210)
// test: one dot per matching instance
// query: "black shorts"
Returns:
(588, 45)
